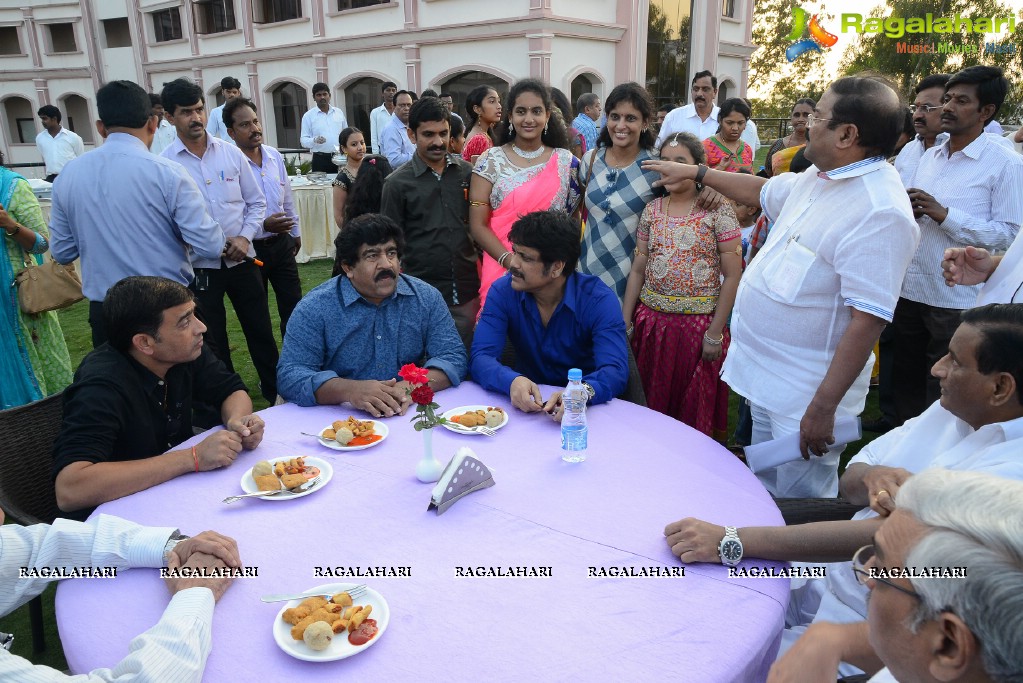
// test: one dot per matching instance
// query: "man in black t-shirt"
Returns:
(131, 400)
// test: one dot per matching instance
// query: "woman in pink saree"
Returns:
(531, 170)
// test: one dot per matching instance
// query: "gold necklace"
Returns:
(667, 208)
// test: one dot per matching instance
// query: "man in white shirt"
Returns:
(165, 132)
(175, 649)
(381, 116)
(813, 302)
(965, 191)
(699, 118)
(962, 627)
(231, 88)
(280, 238)
(395, 140)
(977, 425)
(57, 145)
(750, 135)
(321, 127)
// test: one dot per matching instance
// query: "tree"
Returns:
(879, 53)
(770, 71)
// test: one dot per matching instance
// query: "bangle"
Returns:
(502, 258)
(12, 233)
(195, 457)
(630, 329)
(712, 341)
(479, 203)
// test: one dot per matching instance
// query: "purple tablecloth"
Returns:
(644, 471)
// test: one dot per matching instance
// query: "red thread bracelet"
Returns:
(195, 456)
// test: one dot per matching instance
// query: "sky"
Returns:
(837, 7)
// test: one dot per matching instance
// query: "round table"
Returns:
(644, 471)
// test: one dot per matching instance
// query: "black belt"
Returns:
(323, 154)
(268, 240)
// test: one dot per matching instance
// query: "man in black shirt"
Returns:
(429, 198)
(131, 401)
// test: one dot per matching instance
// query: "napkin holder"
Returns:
(464, 474)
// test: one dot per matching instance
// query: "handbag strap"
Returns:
(586, 183)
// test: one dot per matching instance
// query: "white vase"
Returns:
(429, 468)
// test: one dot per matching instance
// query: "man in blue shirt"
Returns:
(124, 211)
(395, 142)
(555, 318)
(348, 338)
(587, 108)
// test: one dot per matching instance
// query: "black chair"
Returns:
(804, 510)
(27, 495)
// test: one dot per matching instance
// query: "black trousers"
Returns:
(244, 286)
(322, 163)
(280, 271)
(922, 333)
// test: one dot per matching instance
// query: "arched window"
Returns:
(78, 119)
(21, 121)
(582, 83)
(725, 90)
(290, 102)
(215, 99)
(461, 85)
(361, 97)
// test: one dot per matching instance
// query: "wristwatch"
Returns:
(730, 547)
(175, 538)
(590, 391)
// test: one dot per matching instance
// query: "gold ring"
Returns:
(878, 494)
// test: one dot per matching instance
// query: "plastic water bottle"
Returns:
(573, 422)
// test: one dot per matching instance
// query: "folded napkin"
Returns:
(464, 474)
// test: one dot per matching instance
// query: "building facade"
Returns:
(61, 52)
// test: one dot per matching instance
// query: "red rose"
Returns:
(414, 375)
(423, 395)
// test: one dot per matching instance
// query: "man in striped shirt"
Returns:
(964, 191)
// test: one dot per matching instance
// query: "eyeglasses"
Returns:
(812, 120)
(927, 108)
(859, 567)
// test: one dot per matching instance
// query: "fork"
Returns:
(356, 592)
(295, 491)
(486, 431)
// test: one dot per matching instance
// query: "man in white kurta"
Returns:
(812, 304)
(175, 649)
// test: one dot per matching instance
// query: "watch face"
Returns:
(731, 551)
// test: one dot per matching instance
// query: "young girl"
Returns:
(353, 145)
(676, 305)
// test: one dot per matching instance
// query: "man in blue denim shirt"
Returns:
(348, 337)
(555, 318)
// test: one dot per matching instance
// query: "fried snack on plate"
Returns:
(298, 630)
(318, 635)
(359, 617)
(290, 481)
(267, 482)
(262, 468)
(293, 615)
(329, 434)
(343, 436)
(358, 427)
(343, 599)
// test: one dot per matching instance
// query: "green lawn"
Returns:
(74, 321)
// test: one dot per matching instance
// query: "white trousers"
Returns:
(813, 478)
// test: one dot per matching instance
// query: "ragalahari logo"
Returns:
(819, 38)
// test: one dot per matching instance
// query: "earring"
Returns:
(511, 128)
(545, 127)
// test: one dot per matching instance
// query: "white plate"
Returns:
(378, 428)
(326, 473)
(339, 647)
(448, 414)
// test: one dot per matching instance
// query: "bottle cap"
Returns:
(575, 375)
